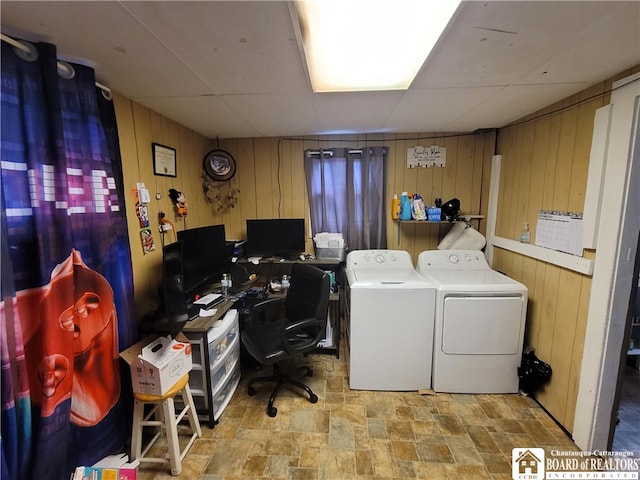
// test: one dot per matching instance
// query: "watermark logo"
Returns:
(533, 464)
(527, 463)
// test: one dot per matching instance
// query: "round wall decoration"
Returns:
(219, 165)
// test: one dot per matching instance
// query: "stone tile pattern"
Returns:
(351, 434)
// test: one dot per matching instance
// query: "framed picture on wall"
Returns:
(164, 160)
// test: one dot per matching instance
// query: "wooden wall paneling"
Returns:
(549, 303)
(487, 150)
(394, 185)
(451, 170)
(438, 174)
(562, 343)
(566, 148)
(189, 155)
(514, 221)
(435, 233)
(464, 172)
(409, 184)
(521, 177)
(266, 198)
(477, 162)
(129, 155)
(528, 278)
(548, 187)
(536, 316)
(299, 196)
(281, 157)
(146, 283)
(506, 148)
(578, 351)
(580, 166)
(425, 176)
(424, 187)
(537, 177)
(247, 207)
(525, 168)
(298, 184)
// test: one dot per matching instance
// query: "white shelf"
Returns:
(565, 260)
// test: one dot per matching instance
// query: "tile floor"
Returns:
(365, 435)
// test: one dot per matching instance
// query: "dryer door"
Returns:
(482, 325)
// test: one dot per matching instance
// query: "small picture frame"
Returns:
(164, 160)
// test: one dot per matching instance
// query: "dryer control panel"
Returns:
(376, 259)
(452, 260)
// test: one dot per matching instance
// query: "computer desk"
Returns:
(196, 330)
(273, 268)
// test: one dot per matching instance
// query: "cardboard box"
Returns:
(157, 363)
(103, 473)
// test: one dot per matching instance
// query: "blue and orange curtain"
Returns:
(67, 283)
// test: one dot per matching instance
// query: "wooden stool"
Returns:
(168, 421)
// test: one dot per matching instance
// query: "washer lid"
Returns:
(475, 280)
(391, 278)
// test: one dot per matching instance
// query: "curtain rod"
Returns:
(24, 48)
(330, 152)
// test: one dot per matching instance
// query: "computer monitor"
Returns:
(275, 237)
(172, 315)
(206, 257)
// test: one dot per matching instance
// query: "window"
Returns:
(347, 194)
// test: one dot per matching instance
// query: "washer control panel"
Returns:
(452, 260)
(377, 259)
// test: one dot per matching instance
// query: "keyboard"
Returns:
(206, 302)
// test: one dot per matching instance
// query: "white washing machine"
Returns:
(389, 322)
(479, 323)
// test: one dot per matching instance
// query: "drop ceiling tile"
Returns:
(126, 57)
(235, 47)
(427, 110)
(496, 43)
(210, 116)
(359, 112)
(276, 115)
(511, 103)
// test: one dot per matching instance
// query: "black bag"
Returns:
(533, 373)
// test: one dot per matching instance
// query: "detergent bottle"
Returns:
(418, 211)
(405, 206)
(395, 207)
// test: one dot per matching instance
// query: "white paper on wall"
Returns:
(433, 156)
(560, 231)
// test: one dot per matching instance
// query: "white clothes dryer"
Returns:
(479, 323)
(389, 322)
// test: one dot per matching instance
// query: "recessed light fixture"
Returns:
(360, 45)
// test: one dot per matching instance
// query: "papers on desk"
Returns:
(328, 240)
(254, 260)
(207, 299)
(207, 313)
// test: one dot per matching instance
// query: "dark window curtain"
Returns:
(67, 282)
(347, 194)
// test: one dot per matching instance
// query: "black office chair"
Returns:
(296, 332)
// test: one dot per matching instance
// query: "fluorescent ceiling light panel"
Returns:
(355, 45)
